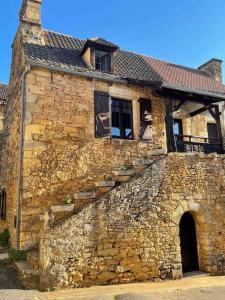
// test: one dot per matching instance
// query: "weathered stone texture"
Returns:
(61, 154)
(132, 233)
(11, 133)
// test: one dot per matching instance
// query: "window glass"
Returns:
(177, 127)
(122, 125)
(102, 61)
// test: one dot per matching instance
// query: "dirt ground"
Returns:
(194, 287)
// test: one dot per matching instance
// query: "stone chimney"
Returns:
(30, 21)
(214, 68)
(30, 12)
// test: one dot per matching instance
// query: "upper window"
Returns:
(102, 61)
(122, 120)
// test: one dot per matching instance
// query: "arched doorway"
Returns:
(188, 243)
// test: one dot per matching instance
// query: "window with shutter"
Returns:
(102, 114)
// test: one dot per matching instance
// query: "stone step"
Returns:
(62, 208)
(124, 172)
(33, 259)
(143, 161)
(85, 195)
(28, 276)
(109, 183)
(119, 179)
(103, 190)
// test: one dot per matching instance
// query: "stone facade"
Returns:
(61, 155)
(132, 233)
(113, 234)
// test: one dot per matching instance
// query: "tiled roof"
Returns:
(184, 76)
(103, 42)
(3, 93)
(64, 51)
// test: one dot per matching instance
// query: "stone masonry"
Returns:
(132, 233)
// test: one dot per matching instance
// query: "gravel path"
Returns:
(193, 288)
(211, 293)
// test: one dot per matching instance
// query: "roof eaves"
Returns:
(191, 90)
(79, 72)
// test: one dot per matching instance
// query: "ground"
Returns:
(195, 287)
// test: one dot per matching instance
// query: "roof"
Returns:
(101, 43)
(3, 93)
(63, 51)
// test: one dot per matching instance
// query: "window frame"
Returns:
(122, 129)
(180, 125)
(104, 55)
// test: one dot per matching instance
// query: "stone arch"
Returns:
(188, 243)
(202, 232)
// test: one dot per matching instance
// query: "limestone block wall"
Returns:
(132, 233)
(11, 133)
(61, 153)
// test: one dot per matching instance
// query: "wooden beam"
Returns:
(212, 113)
(169, 126)
(218, 121)
(178, 106)
(199, 111)
(178, 95)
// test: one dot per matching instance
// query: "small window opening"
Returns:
(122, 119)
(102, 61)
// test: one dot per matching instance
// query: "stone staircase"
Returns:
(29, 270)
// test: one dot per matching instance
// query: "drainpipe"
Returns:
(20, 159)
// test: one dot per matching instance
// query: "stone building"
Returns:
(113, 163)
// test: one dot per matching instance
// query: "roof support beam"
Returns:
(199, 111)
(216, 116)
(178, 106)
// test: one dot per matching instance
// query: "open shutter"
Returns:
(102, 114)
(2, 204)
(145, 119)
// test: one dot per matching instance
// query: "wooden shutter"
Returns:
(3, 204)
(102, 114)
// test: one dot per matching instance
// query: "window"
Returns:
(122, 123)
(177, 127)
(102, 61)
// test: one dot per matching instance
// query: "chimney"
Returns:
(214, 68)
(30, 12)
(30, 21)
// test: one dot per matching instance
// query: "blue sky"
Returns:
(187, 32)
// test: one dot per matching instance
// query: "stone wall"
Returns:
(11, 136)
(61, 154)
(132, 233)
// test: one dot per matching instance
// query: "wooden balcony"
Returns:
(189, 143)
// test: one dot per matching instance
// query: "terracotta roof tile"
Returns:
(64, 52)
(184, 76)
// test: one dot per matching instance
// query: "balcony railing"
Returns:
(189, 143)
